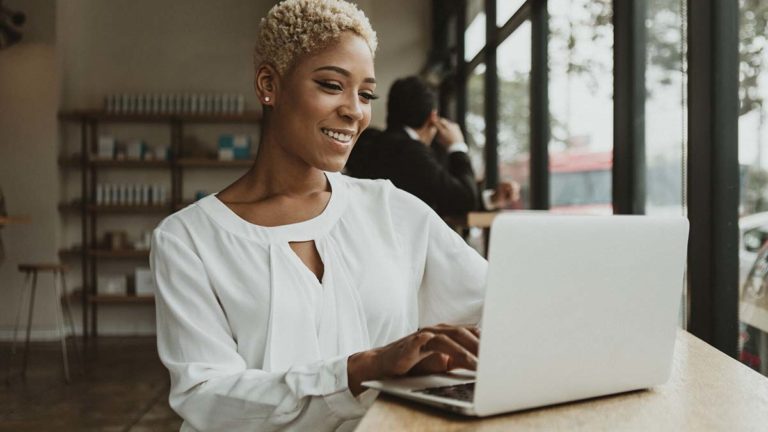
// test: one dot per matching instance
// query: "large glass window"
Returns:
(665, 107)
(666, 112)
(581, 105)
(474, 35)
(475, 119)
(514, 68)
(505, 9)
(753, 160)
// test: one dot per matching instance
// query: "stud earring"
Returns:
(266, 99)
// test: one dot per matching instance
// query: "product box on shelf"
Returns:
(115, 284)
(162, 153)
(135, 149)
(144, 283)
(106, 147)
(234, 147)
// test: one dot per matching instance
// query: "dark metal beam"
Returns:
(539, 100)
(713, 176)
(461, 72)
(515, 21)
(478, 59)
(491, 98)
(629, 106)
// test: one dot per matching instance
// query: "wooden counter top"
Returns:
(708, 391)
(7, 220)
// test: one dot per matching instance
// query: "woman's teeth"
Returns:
(337, 136)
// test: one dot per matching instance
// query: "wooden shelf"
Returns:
(85, 163)
(74, 162)
(113, 298)
(125, 209)
(248, 116)
(106, 253)
(130, 209)
(213, 163)
(125, 253)
(128, 163)
(118, 298)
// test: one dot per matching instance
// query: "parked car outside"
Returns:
(753, 278)
(753, 233)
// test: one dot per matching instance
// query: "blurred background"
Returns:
(114, 114)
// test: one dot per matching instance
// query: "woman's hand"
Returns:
(429, 350)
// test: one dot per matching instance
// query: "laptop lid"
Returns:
(578, 307)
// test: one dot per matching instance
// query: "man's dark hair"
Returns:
(410, 101)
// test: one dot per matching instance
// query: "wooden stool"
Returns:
(61, 296)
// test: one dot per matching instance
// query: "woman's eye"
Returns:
(329, 85)
(369, 96)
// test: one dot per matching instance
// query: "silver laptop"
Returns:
(576, 307)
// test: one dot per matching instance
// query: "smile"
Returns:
(338, 136)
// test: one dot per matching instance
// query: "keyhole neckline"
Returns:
(308, 230)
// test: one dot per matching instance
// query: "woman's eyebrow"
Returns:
(344, 72)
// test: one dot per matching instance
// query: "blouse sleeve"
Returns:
(453, 286)
(450, 275)
(211, 386)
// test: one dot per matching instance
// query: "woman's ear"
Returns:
(265, 84)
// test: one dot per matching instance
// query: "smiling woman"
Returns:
(324, 99)
(278, 296)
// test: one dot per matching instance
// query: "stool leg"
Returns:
(60, 325)
(68, 315)
(23, 299)
(29, 324)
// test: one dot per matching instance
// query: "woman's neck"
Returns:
(275, 173)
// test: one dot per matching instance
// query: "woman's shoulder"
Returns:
(366, 186)
(184, 222)
(382, 192)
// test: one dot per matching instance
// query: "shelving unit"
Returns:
(88, 165)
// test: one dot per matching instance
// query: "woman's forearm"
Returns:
(361, 367)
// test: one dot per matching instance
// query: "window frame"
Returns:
(712, 165)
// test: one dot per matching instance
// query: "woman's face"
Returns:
(324, 103)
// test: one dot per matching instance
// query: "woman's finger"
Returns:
(433, 363)
(463, 335)
(460, 357)
(474, 330)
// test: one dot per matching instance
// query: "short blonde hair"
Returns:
(296, 27)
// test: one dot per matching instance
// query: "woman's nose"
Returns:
(352, 108)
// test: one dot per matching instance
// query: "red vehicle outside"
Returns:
(580, 181)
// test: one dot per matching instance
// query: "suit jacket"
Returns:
(449, 187)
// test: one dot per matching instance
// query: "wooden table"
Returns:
(484, 219)
(708, 391)
(477, 219)
(7, 220)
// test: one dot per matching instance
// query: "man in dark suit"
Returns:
(402, 153)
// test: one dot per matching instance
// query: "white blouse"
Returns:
(252, 339)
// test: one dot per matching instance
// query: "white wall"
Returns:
(404, 31)
(104, 47)
(29, 97)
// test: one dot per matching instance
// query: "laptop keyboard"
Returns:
(463, 392)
